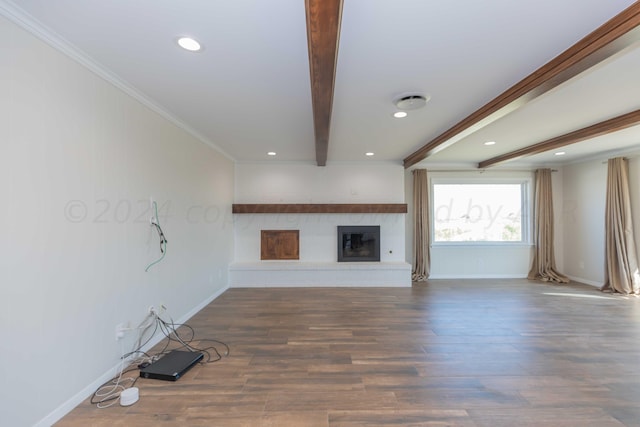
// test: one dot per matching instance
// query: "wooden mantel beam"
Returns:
(323, 34)
(615, 35)
(608, 126)
(318, 208)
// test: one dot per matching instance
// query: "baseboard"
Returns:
(202, 305)
(323, 285)
(57, 414)
(476, 276)
(585, 281)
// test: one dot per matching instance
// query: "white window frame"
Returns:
(526, 201)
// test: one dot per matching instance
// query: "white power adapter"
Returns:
(129, 396)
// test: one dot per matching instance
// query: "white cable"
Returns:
(112, 392)
(143, 327)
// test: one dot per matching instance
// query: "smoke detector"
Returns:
(411, 102)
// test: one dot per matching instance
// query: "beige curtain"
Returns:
(544, 264)
(620, 248)
(421, 254)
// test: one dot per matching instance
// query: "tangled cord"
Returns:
(108, 393)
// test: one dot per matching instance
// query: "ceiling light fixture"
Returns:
(369, 154)
(399, 114)
(560, 153)
(189, 44)
(271, 153)
(490, 143)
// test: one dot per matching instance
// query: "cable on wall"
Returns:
(155, 222)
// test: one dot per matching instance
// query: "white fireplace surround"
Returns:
(318, 266)
(318, 274)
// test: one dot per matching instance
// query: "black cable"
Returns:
(163, 240)
(227, 351)
(170, 331)
(171, 328)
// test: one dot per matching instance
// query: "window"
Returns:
(480, 211)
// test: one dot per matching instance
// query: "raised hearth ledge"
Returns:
(323, 208)
(319, 274)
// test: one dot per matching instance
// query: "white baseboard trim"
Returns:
(585, 281)
(202, 305)
(476, 276)
(57, 414)
(323, 285)
(319, 274)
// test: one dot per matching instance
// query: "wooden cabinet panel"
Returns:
(279, 244)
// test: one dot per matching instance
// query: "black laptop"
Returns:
(172, 365)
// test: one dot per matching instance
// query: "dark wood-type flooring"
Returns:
(446, 353)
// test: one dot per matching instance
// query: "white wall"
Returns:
(78, 162)
(585, 189)
(583, 220)
(334, 183)
(308, 183)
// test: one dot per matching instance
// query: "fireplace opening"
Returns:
(358, 243)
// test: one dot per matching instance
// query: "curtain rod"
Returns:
(607, 161)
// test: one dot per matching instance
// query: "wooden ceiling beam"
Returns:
(612, 37)
(608, 126)
(323, 34)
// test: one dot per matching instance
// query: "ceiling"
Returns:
(248, 91)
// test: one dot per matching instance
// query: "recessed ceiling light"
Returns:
(560, 153)
(399, 114)
(369, 153)
(189, 44)
(490, 143)
(271, 153)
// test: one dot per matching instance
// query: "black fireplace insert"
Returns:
(358, 243)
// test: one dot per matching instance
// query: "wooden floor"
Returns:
(446, 353)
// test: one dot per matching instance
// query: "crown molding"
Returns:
(27, 22)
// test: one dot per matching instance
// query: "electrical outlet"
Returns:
(156, 310)
(120, 330)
